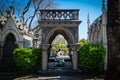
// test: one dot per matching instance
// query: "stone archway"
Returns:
(64, 22)
(69, 39)
(63, 31)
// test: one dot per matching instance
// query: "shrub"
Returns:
(83, 41)
(27, 59)
(92, 58)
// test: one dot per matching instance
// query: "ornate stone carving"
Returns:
(44, 46)
(54, 22)
(59, 14)
(74, 31)
(74, 47)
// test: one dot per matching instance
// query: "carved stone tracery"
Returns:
(59, 14)
(54, 22)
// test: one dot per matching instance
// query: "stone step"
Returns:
(59, 72)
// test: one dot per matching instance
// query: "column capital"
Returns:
(44, 46)
(74, 46)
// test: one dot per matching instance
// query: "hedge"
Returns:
(27, 59)
(91, 58)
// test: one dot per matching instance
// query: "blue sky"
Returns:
(93, 7)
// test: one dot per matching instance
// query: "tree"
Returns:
(83, 41)
(26, 10)
(59, 43)
(3, 6)
(37, 5)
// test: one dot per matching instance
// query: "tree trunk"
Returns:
(113, 35)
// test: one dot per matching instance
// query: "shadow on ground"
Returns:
(13, 76)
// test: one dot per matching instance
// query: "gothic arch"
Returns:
(13, 32)
(63, 31)
(10, 37)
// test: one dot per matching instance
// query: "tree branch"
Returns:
(34, 14)
(26, 8)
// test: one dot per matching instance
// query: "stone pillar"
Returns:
(44, 55)
(104, 23)
(74, 56)
(105, 42)
(1, 50)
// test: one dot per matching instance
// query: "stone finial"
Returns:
(88, 18)
(10, 10)
(103, 5)
(88, 21)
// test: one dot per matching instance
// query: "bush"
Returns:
(92, 58)
(27, 59)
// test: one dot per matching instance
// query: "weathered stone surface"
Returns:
(113, 35)
(59, 21)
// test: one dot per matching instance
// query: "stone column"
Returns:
(1, 50)
(44, 55)
(104, 23)
(74, 56)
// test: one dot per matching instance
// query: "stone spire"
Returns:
(88, 25)
(10, 10)
(88, 21)
(103, 5)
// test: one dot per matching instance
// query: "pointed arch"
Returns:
(10, 38)
(17, 36)
(59, 30)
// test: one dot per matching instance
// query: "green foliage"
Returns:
(27, 59)
(92, 58)
(64, 48)
(60, 46)
(53, 49)
(83, 41)
(59, 43)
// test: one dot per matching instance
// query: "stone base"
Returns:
(59, 72)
